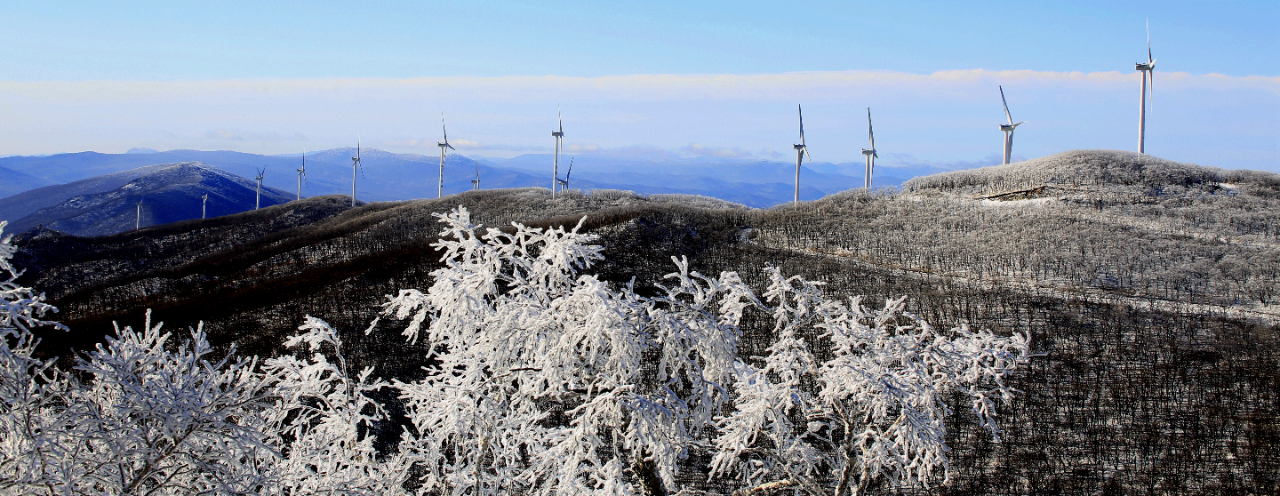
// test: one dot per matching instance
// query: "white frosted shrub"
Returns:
(541, 379)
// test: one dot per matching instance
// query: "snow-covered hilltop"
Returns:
(108, 204)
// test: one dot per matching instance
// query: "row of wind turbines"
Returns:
(802, 150)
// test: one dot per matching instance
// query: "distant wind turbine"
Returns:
(802, 151)
(137, 223)
(1007, 128)
(555, 161)
(1148, 70)
(870, 152)
(445, 144)
(204, 202)
(257, 202)
(564, 183)
(302, 172)
(355, 164)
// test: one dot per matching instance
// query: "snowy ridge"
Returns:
(168, 193)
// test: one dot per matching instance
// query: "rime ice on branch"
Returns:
(549, 381)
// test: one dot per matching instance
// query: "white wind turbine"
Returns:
(564, 183)
(555, 161)
(1148, 70)
(1007, 128)
(802, 151)
(475, 183)
(445, 144)
(137, 223)
(204, 202)
(355, 164)
(302, 172)
(870, 152)
(257, 202)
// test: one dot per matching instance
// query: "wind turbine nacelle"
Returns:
(1143, 66)
(557, 134)
(1006, 127)
(868, 152)
(798, 147)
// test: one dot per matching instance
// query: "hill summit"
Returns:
(168, 193)
(1106, 172)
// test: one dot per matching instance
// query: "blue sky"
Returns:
(688, 78)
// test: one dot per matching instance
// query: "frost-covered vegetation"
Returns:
(1122, 224)
(1158, 373)
(541, 380)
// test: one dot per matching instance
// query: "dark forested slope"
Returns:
(1158, 373)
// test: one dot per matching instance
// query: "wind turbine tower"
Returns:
(204, 202)
(137, 223)
(355, 164)
(802, 151)
(302, 173)
(870, 152)
(1148, 70)
(1007, 128)
(445, 144)
(257, 202)
(555, 161)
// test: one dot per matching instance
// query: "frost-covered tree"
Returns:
(148, 418)
(144, 415)
(549, 381)
(541, 379)
(546, 380)
(321, 420)
(873, 411)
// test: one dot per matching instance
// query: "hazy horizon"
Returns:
(661, 78)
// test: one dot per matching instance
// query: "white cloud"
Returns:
(698, 150)
(640, 87)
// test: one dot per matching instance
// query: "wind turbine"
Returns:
(564, 183)
(355, 164)
(137, 223)
(1148, 69)
(204, 202)
(870, 152)
(802, 151)
(445, 144)
(302, 173)
(1007, 128)
(257, 202)
(555, 162)
(475, 183)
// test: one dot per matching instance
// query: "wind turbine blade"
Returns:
(871, 134)
(1151, 102)
(560, 119)
(801, 111)
(1006, 106)
(567, 174)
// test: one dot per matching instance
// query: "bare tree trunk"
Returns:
(647, 473)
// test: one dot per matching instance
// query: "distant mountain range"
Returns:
(108, 204)
(390, 176)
